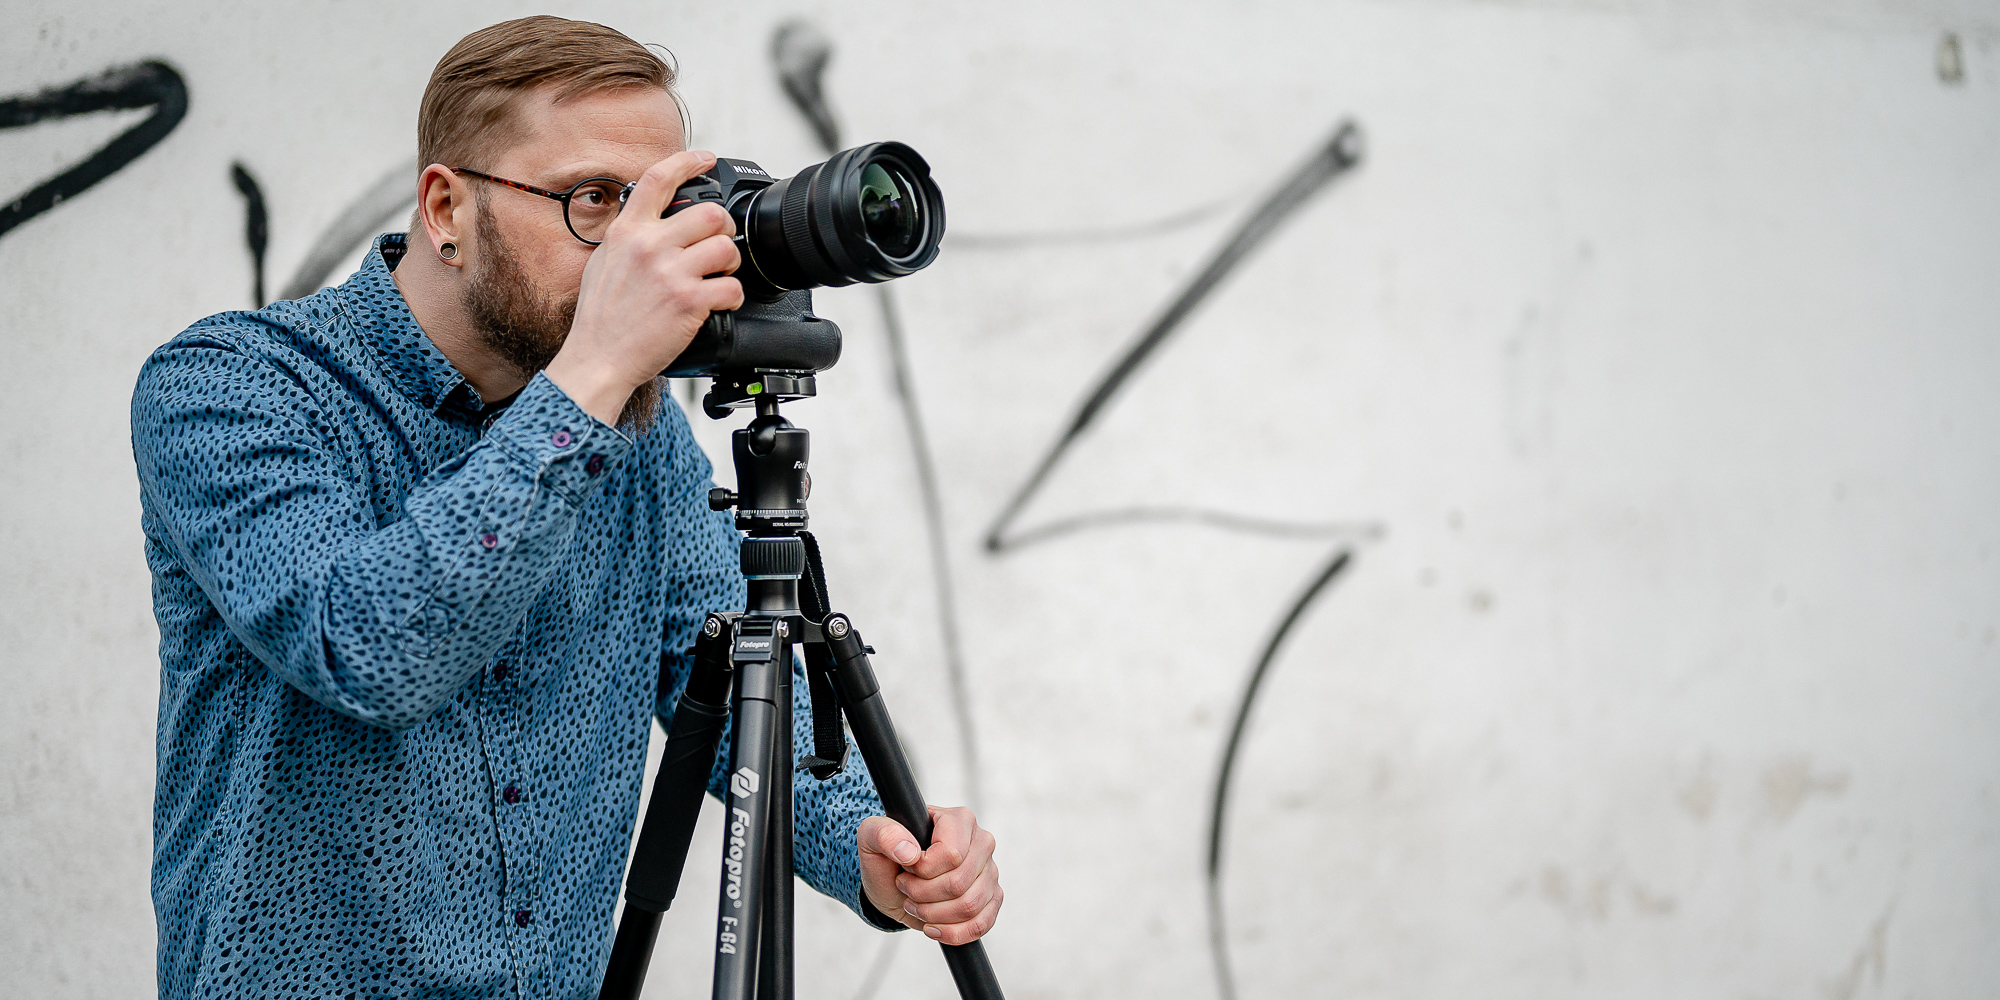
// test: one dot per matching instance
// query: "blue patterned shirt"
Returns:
(410, 648)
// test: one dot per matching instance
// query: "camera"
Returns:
(867, 214)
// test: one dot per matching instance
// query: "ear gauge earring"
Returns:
(448, 250)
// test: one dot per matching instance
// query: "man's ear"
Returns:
(444, 210)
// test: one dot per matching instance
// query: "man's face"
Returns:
(526, 266)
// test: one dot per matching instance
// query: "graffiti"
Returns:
(1340, 153)
(150, 84)
(1218, 936)
(1336, 156)
(800, 52)
(256, 228)
(356, 224)
(1146, 229)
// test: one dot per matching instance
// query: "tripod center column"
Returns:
(772, 568)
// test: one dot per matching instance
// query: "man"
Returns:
(426, 549)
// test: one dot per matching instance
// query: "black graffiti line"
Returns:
(146, 84)
(362, 219)
(938, 542)
(256, 228)
(1218, 937)
(1340, 153)
(1145, 229)
(800, 52)
(1225, 520)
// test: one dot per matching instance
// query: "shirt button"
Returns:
(523, 918)
(561, 439)
(512, 794)
(489, 539)
(595, 465)
(500, 672)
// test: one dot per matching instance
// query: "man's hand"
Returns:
(950, 892)
(647, 290)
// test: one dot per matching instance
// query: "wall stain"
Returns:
(1697, 797)
(1791, 781)
(1594, 896)
(1869, 965)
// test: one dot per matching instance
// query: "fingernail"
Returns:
(906, 853)
(910, 908)
(932, 931)
(703, 154)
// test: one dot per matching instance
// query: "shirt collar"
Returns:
(417, 366)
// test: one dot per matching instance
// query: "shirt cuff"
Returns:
(880, 920)
(569, 450)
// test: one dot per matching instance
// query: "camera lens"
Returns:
(870, 214)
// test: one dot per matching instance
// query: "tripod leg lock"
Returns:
(853, 678)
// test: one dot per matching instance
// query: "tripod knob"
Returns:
(720, 499)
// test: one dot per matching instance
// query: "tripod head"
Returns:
(770, 454)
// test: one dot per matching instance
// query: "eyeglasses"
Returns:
(588, 206)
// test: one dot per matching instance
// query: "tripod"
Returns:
(742, 668)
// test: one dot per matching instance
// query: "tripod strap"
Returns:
(829, 739)
(812, 589)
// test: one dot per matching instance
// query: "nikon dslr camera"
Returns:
(870, 214)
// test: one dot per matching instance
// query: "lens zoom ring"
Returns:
(822, 201)
(794, 221)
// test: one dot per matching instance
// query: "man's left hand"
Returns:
(950, 891)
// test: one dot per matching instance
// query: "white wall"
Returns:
(1648, 359)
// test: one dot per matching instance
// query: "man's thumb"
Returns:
(891, 839)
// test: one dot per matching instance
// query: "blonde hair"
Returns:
(467, 110)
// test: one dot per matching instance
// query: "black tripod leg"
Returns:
(875, 735)
(774, 961)
(746, 850)
(671, 810)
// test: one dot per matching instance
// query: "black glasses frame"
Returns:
(624, 192)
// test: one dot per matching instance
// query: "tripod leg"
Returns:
(671, 810)
(875, 735)
(746, 849)
(774, 956)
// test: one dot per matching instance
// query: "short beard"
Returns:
(526, 328)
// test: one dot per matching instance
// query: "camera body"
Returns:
(867, 214)
(775, 328)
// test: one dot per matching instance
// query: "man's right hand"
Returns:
(647, 290)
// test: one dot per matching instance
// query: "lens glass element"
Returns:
(889, 210)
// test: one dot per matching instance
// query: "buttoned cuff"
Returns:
(569, 451)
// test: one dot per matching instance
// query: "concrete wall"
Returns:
(1644, 367)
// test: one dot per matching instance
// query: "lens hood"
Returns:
(868, 214)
